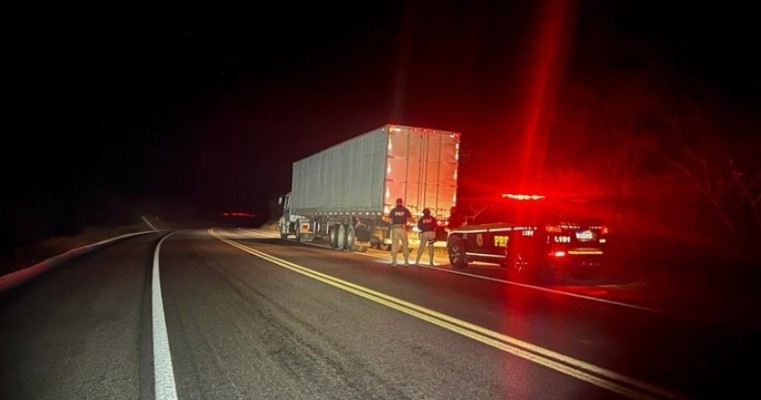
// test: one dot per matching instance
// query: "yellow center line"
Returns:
(593, 374)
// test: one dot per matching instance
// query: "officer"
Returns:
(399, 217)
(455, 219)
(427, 225)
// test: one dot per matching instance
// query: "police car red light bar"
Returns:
(522, 196)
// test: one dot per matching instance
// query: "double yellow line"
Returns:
(615, 382)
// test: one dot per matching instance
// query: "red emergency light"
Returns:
(522, 196)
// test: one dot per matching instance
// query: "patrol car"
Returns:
(530, 233)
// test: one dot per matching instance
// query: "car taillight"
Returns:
(603, 230)
(557, 254)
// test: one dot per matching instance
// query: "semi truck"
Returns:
(341, 195)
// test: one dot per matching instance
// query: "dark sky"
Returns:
(207, 105)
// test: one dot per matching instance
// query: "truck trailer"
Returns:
(342, 195)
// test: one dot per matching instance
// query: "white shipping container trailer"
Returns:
(343, 194)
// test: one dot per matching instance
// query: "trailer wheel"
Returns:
(341, 237)
(333, 235)
(351, 237)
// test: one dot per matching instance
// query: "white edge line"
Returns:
(163, 374)
(560, 292)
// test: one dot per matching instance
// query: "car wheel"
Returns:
(519, 266)
(456, 252)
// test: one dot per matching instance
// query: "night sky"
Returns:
(206, 106)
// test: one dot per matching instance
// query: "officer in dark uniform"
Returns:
(427, 225)
(399, 217)
(455, 219)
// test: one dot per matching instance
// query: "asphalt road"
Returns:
(242, 314)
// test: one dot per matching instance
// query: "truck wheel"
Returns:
(351, 237)
(297, 232)
(333, 235)
(341, 237)
(282, 227)
(456, 252)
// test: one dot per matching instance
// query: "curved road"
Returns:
(242, 314)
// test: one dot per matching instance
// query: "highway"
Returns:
(231, 313)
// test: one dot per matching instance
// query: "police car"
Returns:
(530, 233)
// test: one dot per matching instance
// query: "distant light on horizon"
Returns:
(238, 214)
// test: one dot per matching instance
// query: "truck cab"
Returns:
(287, 223)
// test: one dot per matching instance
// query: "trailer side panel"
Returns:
(347, 178)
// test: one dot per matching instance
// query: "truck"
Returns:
(341, 195)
